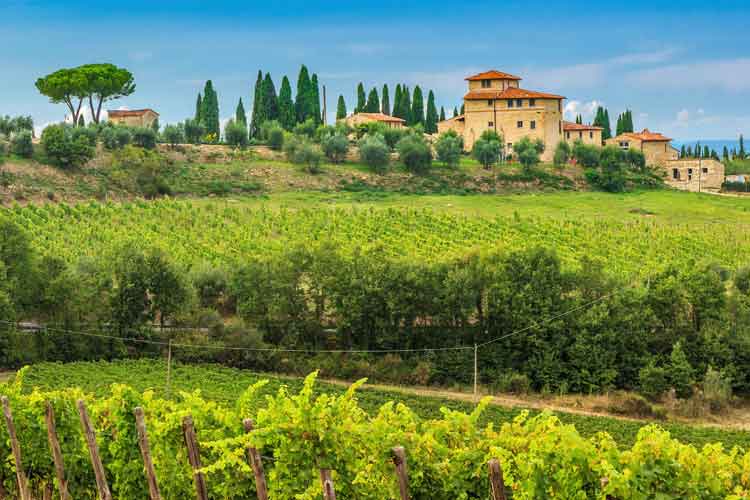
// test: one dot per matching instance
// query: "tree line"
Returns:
(667, 329)
(408, 106)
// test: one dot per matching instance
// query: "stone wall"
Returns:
(693, 174)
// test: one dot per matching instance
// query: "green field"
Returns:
(223, 385)
(630, 233)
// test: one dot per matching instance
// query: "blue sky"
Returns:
(682, 67)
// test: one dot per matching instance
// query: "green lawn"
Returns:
(223, 385)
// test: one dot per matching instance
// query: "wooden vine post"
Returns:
(399, 460)
(23, 484)
(497, 485)
(194, 456)
(96, 460)
(148, 464)
(57, 456)
(253, 456)
(326, 480)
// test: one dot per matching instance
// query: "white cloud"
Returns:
(683, 118)
(585, 109)
(730, 74)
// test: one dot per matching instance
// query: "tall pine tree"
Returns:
(287, 114)
(210, 110)
(341, 109)
(361, 98)
(373, 102)
(385, 106)
(270, 100)
(417, 107)
(239, 115)
(431, 118)
(607, 132)
(198, 108)
(254, 124)
(397, 101)
(406, 105)
(442, 114)
(742, 153)
(303, 106)
(315, 100)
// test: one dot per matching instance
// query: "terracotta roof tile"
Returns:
(576, 127)
(509, 93)
(130, 112)
(647, 136)
(456, 118)
(381, 117)
(493, 75)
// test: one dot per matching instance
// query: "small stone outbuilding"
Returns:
(363, 118)
(588, 134)
(133, 118)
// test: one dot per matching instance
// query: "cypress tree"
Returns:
(442, 114)
(254, 123)
(417, 107)
(599, 117)
(210, 110)
(607, 134)
(689, 152)
(198, 108)
(385, 101)
(683, 151)
(315, 100)
(742, 147)
(239, 115)
(270, 100)
(287, 114)
(302, 105)
(373, 102)
(406, 105)
(396, 99)
(629, 126)
(341, 109)
(431, 118)
(697, 150)
(361, 99)
(725, 154)
(463, 108)
(579, 119)
(455, 111)
(706, 152)
(618, 127)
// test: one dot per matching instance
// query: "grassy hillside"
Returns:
(224, 384)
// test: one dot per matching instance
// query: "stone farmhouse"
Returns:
(362, 118)
(133, 118)
(588, 134)
(495, 101)
(688, 174)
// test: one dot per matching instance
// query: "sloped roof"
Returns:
(509, 93)
(578, 127)
(130, 112)
(493, 75)
(646, 136)
(380, 117)
(455, 118)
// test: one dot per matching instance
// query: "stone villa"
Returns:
(495, 101)
(588, 134)
(361, 118)
(133, 118)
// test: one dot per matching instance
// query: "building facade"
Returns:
(695, 174)
(495, 101)
(588, 134)
(363, 118)
(133, 118)
(655, 147)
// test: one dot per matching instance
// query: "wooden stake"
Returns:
(148, 464)
(497, 485)
(476, 373)
(327, 482)
(399, 460)
(23, 484)
(57, 457)
(169, 367)
(96, 461)
(194, 456)
(256, 463)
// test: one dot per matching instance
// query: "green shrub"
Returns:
(488, 148)
(415, 153)
(235, 134)
(680, 372)
(302, 151)
(307, 128)
(65, 150)
(586, 155)
(194, 131)
(89, 134)
(717, 389)
(514, 383)
(392, 135)
(562, 154)
(374, 153)
(276, 138)
(653, 381)
(449, 147)
(527, 152)
(144, 137)
(335, 147)
(173, 135)
(21, 144)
